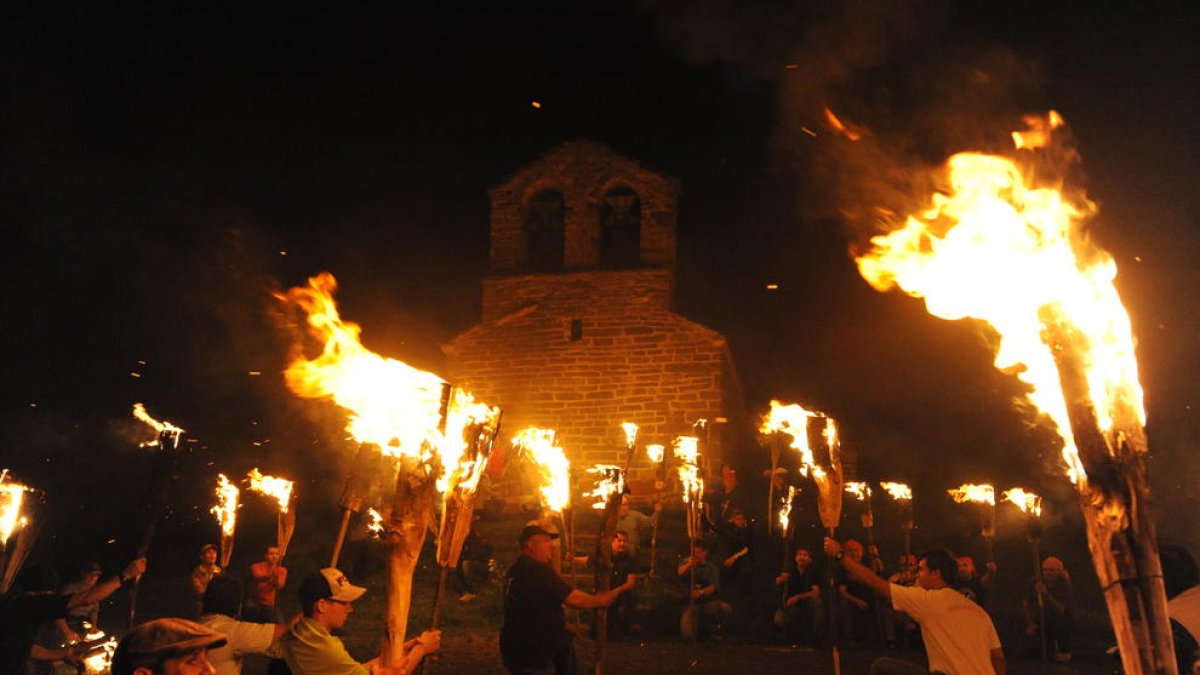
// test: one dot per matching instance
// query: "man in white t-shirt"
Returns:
(222, 604)
(960, 638)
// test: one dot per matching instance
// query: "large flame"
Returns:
(610, 480)
(1014, 254)
(390, 403)
(227, 505)
(792, 420)
(12, 496)
(279, 489)
(1026, 501)
(687, 449)
(898, 491)
(539, 445)
(462, 470)
(979, 494)
(139, 412)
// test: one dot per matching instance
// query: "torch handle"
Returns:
(831, 612)
(341, 538)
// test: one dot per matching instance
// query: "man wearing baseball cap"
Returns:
(534, 636)
(166, 647)
(309, 647)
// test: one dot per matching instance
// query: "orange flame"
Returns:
(1015, 255)
(100, 660)
(860, 489)
(687, 449)
(980, 494)
(12, 496)
(792, 420)
(462, 471)
(539, 445)
(898, 491)
(611, 481)
(655, 453)
(785, 511)
(1024, 500)
(375, 527)
(227, 505)
(390, 403)
(279, 489)
(139, 412)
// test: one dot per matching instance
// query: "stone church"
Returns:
(578, 332)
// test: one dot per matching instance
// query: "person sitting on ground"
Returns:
(267, 577)
(32, 603)
(309, 646)
(71, 628)
(202, 574)
(166, 647)
(222, 606)
(800, 616)
(1058, 607)
(735, 541)
(960, 638)
(705, 585)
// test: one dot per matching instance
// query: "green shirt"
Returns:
(310, 649)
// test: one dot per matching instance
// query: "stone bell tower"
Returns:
(577, 332)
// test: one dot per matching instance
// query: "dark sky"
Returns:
(157, 159)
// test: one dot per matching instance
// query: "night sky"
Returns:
(166, 166)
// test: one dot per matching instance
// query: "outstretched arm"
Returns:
(859, 571)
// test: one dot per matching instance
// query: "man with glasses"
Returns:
(960, 638)
(327, 600)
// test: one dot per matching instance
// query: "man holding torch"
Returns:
(267, 577)
(959, 636)
(534, 636)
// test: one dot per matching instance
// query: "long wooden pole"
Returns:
(1114, 497)
(161, 474)
(341, 538)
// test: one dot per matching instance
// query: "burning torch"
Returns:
(985, 496)
(18, 528)
(281, 490)
(904, 498)
(226, 512)
(1031, 505)
(166, 454)
(658, 457)
(1008, 245)
(368, 462)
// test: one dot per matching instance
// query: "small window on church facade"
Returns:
(544, 225)
(620, 228)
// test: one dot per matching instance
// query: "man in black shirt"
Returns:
(534, 636)
(800, 612)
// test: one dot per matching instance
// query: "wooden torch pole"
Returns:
(1114, 496)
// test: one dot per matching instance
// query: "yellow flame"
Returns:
(687, 449)
(227, 505)
(1015, 255)
(898, 491)
(390, 403)
(1024, 500)
(655, 453)
(631, 431)
(1038, 131)
(860, 489)
(969, 492)
(139, 412)
(461, 470)
(792, 420)
(375, 527)
(611, 481)
(101, 660)
(785, 511)
(279, 489)
(539, 445)
(12, 496)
